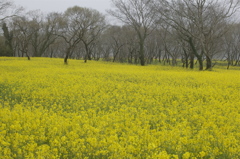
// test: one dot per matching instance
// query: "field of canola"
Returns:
(103, 110)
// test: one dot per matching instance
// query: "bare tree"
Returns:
(130, 50)
(45, 30)
(8, 10)
(92, 23)
(69, 30)
(22, 35)
(80, 25)
(154, 46)
(198, 22)
(232, 45)
(115, 40)
(32, 34)
(139, 15)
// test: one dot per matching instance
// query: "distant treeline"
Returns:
(163, 31)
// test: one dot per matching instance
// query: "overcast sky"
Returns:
(61, 5)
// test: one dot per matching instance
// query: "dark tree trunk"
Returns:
(185, 58)
(130, 58)
(168, 59)
(66, 59)
(200, 62)
(51, 53)
(194, 51)
(88, 55)
(183, 61)
(28, 57)
(141, 53)
(151, 60)
(67, 56)
(164, 59)
(115, 55)
(131, 55)
(192, 61)
(186, 62)
(237, 60)
(136, 59)
(228, 60)
(209, 63)
(228, 65)
(174, 61)
(159, 55)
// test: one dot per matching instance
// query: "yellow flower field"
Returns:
(105, 110)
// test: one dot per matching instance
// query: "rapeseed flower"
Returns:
(108, 110)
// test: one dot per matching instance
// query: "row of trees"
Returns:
(151, 30)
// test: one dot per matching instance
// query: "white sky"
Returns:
(61, 5)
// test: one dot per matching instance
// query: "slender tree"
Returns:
(139, 15)
(69, 30)
(92, 23)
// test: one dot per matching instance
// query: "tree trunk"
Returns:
(209, 63)
(168, 59)
(185, 58)
(237, 60)
(228, 65)
(164, 61)
(141, 53)
(28, 57)
(67, 55)
(174, 61)
(159, 55)
(88, 55)
(191, 61)
(186, 61)
(194, 51)
(115, 55)
(51, 53)
(136, 59)
(130, 57)
(66, 59)
(200, 61)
